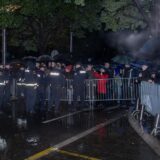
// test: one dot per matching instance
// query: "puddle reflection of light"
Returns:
(33, 140)
(3, 144)
(21, 123)
(81, 147)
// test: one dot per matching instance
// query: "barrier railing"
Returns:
(89, 91)
(150, 97)
(111, 89)
(148, 103)
(67, 91)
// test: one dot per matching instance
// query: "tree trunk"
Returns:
(42, 40)
(155, 19)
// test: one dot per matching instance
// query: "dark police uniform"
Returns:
(30, 84)
(78, 86)
(57, 82)
(41, 90)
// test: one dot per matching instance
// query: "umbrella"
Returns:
(44, 58)
(139, 63)
(98, 67)
(122, 59)
(150, 46)
(136, 65)
(29, 58)
(30, 61)
(16, 64)
(63, 58)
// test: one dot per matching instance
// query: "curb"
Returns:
(153, 142)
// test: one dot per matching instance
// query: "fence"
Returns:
(91, 90)
(97, 90)
(111, 89)
(88, 91)
(150, 101)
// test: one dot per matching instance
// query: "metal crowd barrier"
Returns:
(111, 89)
(150, 101)
(91, 90)
(67, 91)
(96, 90)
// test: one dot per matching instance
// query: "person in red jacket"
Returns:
(101, 83)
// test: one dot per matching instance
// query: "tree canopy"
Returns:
(131, 14)
(39, 25)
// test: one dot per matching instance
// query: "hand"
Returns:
(140, 75)
(150, 81)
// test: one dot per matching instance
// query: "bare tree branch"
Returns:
(142, 12)
(133, 17)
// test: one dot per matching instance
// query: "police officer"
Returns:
(78, 85)
(30, 84)
(41, 90)
(57, 81)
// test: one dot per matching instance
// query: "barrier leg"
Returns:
(69, 96)
(137, 105)
(136, 112)
(141, 114)
(156, 128)
(91, 95)
(91, 105)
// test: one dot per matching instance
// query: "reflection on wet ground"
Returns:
(116, 141)
(23, 142)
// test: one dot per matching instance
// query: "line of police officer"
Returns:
(40, 85)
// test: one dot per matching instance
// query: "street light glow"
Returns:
(10, 8)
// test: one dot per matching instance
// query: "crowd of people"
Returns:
(41, 84)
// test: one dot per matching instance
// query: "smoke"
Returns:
(132, 42)
(126, 41)
(141, 45)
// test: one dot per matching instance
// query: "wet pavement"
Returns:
(117, 141)
(114, 142)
